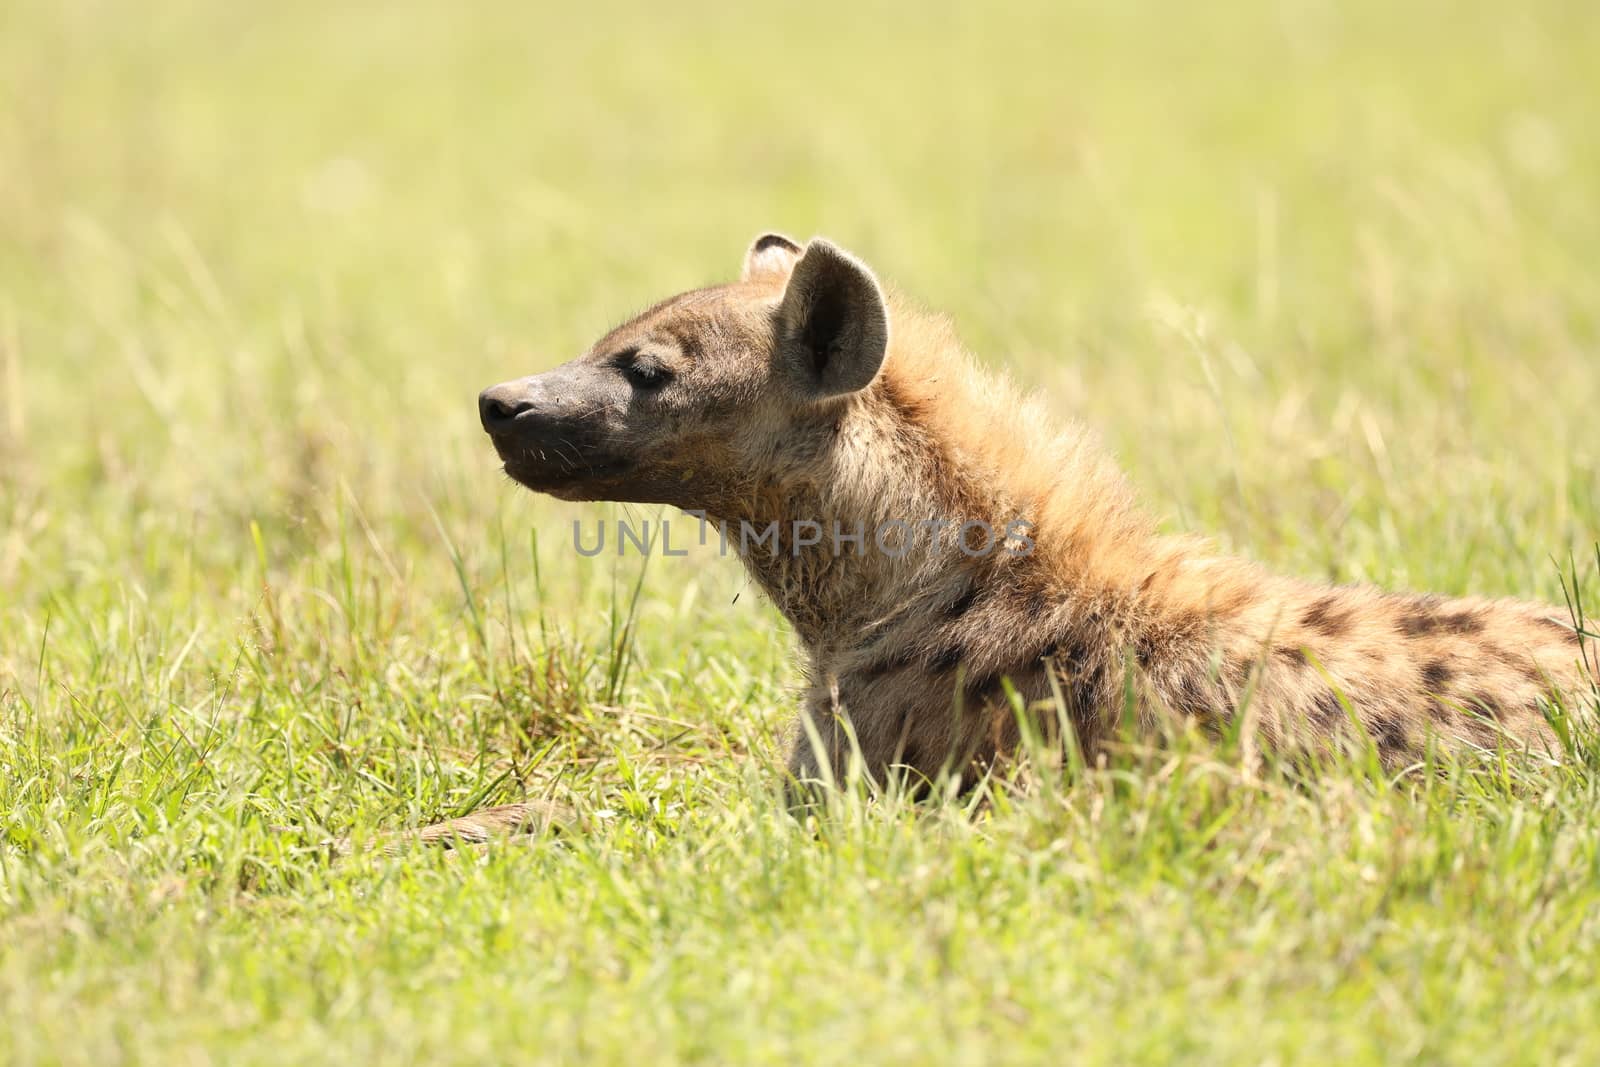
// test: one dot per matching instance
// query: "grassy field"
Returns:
(1323, 274)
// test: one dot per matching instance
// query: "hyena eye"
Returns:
(643, 373)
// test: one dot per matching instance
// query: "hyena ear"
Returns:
(771, 253)
(833, 324)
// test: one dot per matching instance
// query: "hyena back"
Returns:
(801, 393)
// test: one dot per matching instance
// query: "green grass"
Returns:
(1322, 274)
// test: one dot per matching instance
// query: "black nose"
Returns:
(499, 406)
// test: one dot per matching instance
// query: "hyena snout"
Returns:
(500, 406)
(558, 429)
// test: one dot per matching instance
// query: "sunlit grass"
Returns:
(1323, 275)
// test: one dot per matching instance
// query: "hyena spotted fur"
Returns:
(802, 392)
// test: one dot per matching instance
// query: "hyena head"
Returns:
(707, 399)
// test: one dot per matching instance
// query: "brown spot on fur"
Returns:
(882, 667)
(1192, 697)
(1389, 734)
(1186, 623)
(1568, 632)
(1418, 623)
(982, 690)
(1490, 704)
(1070, 653)
(1230, 602)
(963, 603)
(1423, 623)
(908, 755)
(947, 659)
(1327, 711)
(1292, 655)
(1419, 616)
(1436, 674)
(1325, 617)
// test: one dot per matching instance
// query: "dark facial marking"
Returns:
(688, 341)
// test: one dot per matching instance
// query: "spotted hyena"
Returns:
(802, 396)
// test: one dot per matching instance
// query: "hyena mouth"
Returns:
(544, 469)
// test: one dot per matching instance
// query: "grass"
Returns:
(1322, 274)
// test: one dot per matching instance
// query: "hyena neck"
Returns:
(843, 557)
(1020, 534)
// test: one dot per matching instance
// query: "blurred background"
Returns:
(1323, 274)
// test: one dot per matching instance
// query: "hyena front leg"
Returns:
(818, 750)
(825, 748)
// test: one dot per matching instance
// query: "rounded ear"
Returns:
(771, 253)
(833, 323)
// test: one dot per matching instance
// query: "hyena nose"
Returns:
(499, 406)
